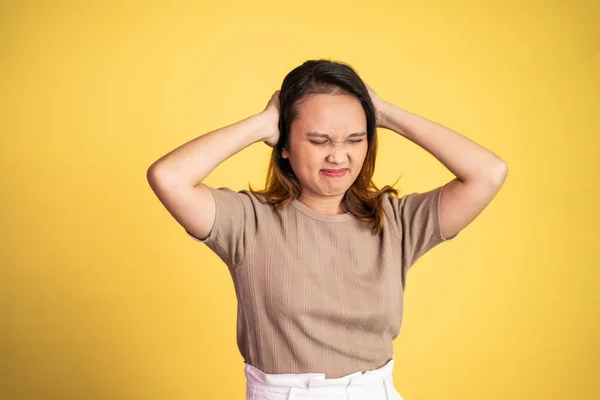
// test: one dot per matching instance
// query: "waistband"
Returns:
(317, 385)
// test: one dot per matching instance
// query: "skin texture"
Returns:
(310, 151)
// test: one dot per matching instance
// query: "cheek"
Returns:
(309, 157)
(359, 153)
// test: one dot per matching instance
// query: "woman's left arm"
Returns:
(479, 172)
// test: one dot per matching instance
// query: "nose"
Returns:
(337, 155)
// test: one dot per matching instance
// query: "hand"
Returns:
(271, 115)
(380, 106)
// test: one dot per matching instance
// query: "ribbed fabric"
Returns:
(317, 292)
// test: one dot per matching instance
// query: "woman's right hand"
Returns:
(271, 114)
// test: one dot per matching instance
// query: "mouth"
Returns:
(334, 173)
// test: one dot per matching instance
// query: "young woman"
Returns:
(319, 258)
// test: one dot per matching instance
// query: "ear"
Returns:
(284, 153)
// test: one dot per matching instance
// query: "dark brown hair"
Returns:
(363, 198)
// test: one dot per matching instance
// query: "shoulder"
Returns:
(239, 201)
(411, 199)
(391, 204)
(418, 208)
(224, 193)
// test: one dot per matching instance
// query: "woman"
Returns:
(319, 258)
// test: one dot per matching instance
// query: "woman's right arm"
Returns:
(176, 178)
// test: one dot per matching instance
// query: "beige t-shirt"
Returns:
(318, 292)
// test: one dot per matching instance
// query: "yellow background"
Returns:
(103, 295)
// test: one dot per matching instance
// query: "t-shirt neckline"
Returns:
(306, 210)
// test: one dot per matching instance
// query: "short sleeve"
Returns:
(235, 227)
(418, 219)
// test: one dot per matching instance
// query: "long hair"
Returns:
(363, 198)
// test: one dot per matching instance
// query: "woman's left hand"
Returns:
(380, 106)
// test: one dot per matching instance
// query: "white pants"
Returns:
(374, 384)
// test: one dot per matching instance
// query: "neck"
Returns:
(330, 205)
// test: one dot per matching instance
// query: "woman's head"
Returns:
(327, 122)
(328, 135)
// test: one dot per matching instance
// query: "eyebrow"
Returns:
(317, 134)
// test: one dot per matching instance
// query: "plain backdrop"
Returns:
(104, 296)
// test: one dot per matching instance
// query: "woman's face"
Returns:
(327, 144)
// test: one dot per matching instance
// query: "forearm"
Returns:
(462, 156)
(193, 161)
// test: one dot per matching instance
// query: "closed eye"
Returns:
(322, 143)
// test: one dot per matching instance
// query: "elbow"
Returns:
(160, 176)
(499, 173)
(156, 176)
